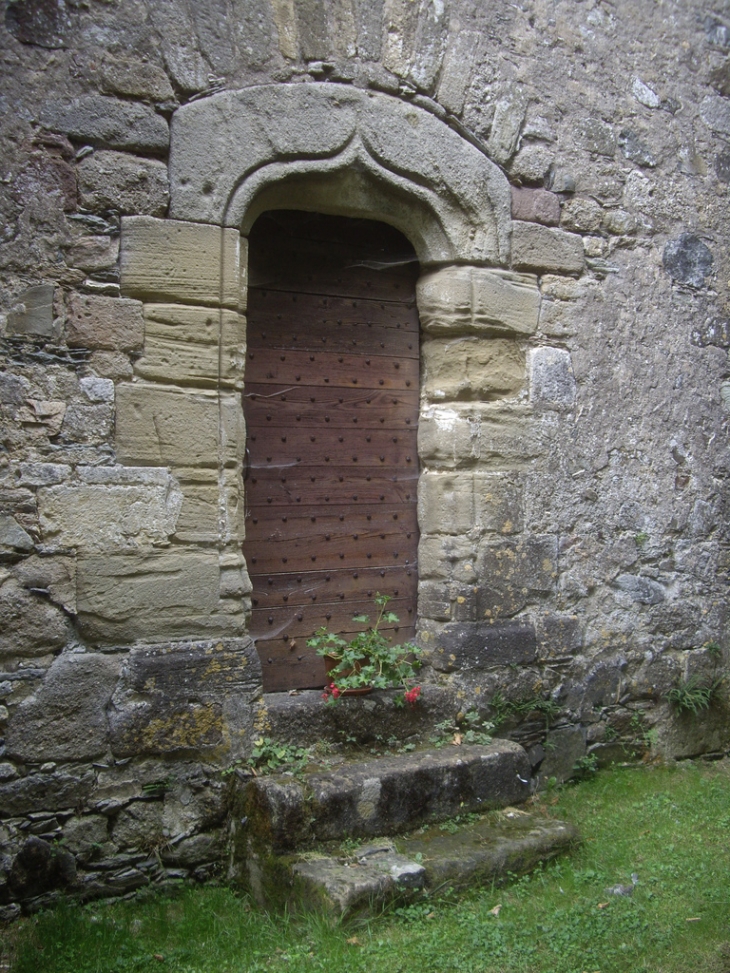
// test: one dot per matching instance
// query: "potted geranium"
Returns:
(368, 660)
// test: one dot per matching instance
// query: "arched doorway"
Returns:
(331, 407)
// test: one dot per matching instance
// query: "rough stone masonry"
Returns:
(562, 171)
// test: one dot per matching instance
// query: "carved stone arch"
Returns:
(358, 153)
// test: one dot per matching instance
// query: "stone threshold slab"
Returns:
(450, 856)
(382, 796)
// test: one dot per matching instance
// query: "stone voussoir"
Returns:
(386, 795)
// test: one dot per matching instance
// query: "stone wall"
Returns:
(562, 171)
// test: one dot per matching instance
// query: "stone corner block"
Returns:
(472, 368)
(174, 427)
(552, 382)
(536, 247)
(477, 300)
(185, 263)
(171, 594)
(193, 346)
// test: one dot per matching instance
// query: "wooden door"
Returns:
(331, 407)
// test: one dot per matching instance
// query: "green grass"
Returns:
(671, 826)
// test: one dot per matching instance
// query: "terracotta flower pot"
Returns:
(331, 663)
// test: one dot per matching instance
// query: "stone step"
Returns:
(479, 851)
(382, 796)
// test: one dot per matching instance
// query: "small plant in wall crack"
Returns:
(585, 767)
(692, 695)
(466, 728)
(368, 660)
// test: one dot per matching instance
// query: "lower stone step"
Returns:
(478, 851)
(381, 796)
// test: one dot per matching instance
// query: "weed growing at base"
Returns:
(669, 826)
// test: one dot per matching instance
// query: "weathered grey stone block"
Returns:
(565, 747)
(509, 116)
(193, 697)
(471, 368)
(381, 875)
(107, 122)
(167, 426)
(512, 572)
(715, 113)
(474, 299)
(532, 163)
(56, 575)
(40, 24)
(33, 313)
(134, 78)
(115, 180)
(643, 590)
(457, 69)
(688, 260)
(193, 346)
(138, 825)
(13, 539)
(600, 686)
(81, 834)
(94, 254)
(65, 719)
(104, 322)
(434, 601)
(558, 636)
(29, 626)
(447, 437)
(552, 382)
(537, 247)
(581, 214)
(447, 557)
(46, 791)
(38, 867)
(212, 507)
(463, 647)
(596, 136)
(185, 263)
(84, 423)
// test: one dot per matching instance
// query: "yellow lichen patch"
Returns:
(199, 726)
